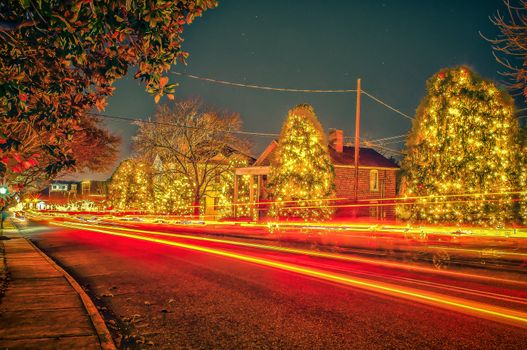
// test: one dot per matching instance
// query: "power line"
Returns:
(241, 132)
(260, 87)
(392, 142)
(387, 105)
(387, 149)
(137, 120)
(391, 138)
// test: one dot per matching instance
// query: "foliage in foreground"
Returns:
(59, 60)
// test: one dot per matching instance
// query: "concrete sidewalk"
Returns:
(43, 307)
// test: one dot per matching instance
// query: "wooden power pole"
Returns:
(357, 141)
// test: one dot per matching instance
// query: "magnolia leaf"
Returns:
(25, 3)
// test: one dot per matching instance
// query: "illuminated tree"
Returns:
(462, 152)
(302, 178)
(522, 183)
(171, 193)
(225, 189)
(130, 187)
(59, 60)
(193, 143)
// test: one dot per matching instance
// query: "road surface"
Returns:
(204, 294)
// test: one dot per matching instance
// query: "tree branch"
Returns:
(9, 26)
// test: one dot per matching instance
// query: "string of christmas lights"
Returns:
(303, 169)
(464, 139)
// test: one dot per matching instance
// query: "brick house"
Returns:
(376, 178)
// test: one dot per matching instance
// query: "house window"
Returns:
(59, 187)
(85, 187)
(374, 180)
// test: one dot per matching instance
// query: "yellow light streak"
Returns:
(482, 310)
(310, 253)
(406, 229)
(468, 194)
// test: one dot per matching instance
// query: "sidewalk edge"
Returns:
(105, 338)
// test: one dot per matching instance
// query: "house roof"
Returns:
(368, 157)
(269, 152)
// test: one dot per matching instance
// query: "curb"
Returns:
(105, 339)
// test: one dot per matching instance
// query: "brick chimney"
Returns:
(336, 139)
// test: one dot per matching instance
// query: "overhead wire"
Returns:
(270, 88)
(148, 121)
(260, 87)
(252, 86)
(390, 138)
(386, 105)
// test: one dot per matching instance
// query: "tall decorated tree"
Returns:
(461, 157)
(130, 187)
(171, 192)
(302, 178)
(522, 183)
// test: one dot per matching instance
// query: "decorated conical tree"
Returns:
(130, 187)
(461, 157)
(302, 177)
(172, 193)
(522, 183)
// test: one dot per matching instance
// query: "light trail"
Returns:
(432, 196)
(472, 292)
(368, 205)
(309, 253)
(439, 199)
(343, 228)
(334, 256)
(473, 308)
(401, 266)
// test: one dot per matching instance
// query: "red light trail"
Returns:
(474, 308)
(314, 253)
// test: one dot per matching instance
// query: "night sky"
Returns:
(393, 46)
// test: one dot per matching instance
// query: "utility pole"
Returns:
(357, 141)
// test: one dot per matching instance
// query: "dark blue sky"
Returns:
(393, 46)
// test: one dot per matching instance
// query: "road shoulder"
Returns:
(43, 306)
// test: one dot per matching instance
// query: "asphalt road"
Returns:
(163, 296)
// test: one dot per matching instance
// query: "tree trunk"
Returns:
(196, 205)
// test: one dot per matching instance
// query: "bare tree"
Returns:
(192, 142)
(510, 47)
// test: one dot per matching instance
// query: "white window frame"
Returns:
(59, 187)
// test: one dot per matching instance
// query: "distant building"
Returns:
(61, 191)
(376, 180)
